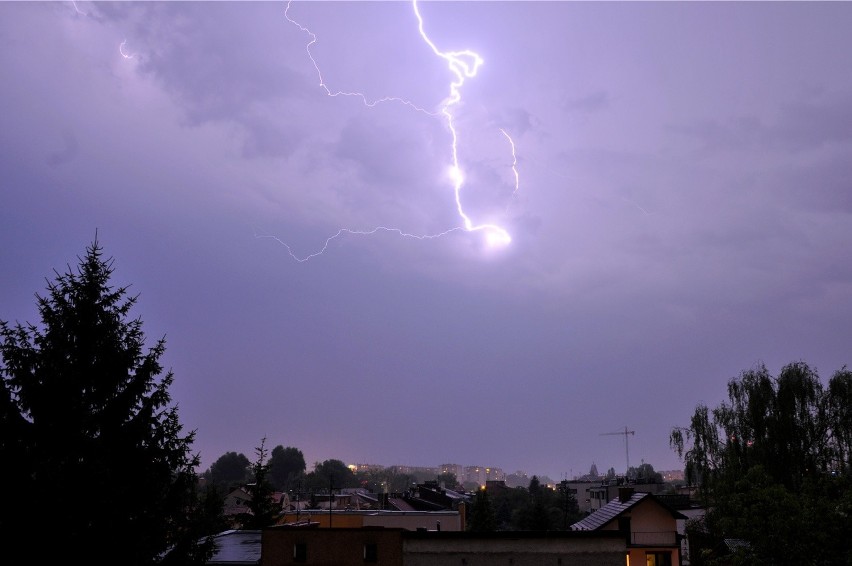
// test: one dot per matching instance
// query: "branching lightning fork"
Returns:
(463, 65)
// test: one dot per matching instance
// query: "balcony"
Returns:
(653, 538)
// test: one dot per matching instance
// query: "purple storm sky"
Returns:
(684, 212)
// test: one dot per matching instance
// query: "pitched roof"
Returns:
(615, 508)
(607, 513)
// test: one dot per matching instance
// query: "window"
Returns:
(300, 552)
(658, 559)
(371, 552)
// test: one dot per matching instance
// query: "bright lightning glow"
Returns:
(463, 65)
(514, 162)
(123, 52)
(327, 89)
(302, 259)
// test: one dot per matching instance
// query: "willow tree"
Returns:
(92, 447)
(773, 459)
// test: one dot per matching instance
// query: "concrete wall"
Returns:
(517, 549)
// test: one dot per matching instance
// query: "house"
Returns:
(650, 527)
(608, 489)
(237, 502)
(580, 489)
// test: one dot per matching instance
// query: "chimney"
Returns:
(624, 494)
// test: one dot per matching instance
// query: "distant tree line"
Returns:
(288, 473)
(533, 508)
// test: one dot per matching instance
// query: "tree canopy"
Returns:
(91, 442)
(230, 470)
(536, 507)
(287, 465)
(330, 474)
(773, 464)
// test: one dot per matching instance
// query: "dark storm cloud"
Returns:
(385, 153)
(795, 126)
(212, 57)
(592, 102)
(68, 151)
(823, 187)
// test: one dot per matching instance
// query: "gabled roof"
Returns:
(616, 508)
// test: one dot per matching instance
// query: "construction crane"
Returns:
(624, 432)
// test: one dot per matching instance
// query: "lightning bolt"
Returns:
(462, 65)
(514, 162)
(328, 91)
(123, 52)
(342, 231)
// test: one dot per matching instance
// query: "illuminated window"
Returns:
(658, 559)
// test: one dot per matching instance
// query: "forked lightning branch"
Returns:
(462, 65)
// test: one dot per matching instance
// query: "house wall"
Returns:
(330, 547)
(654, 528)
(648, 517)
(582, 494)
(520, 551)
(397, 547)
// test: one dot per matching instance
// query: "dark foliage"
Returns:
(773, 465)
(99, 469)
(229, 471)
(330, 474)
(287, 466)
(483, 518)
(263, 509)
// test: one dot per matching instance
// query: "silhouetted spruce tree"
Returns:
(263, 508)
(91, 444)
